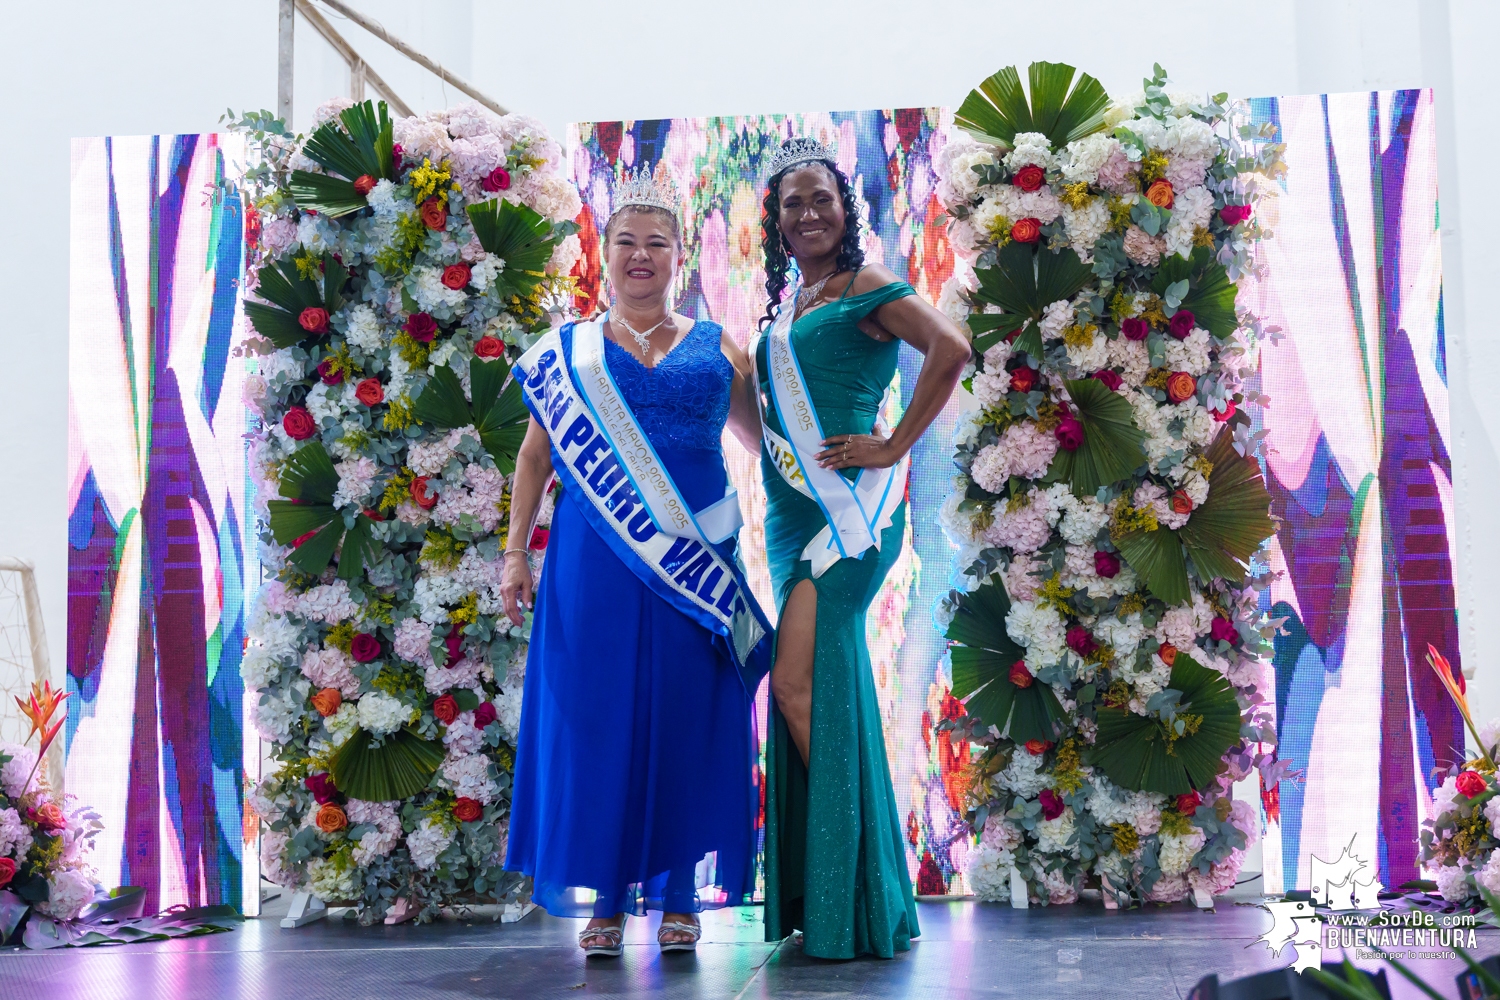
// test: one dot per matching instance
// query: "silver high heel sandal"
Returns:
(609, 941)
(694, 929)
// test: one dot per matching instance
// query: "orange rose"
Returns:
(1181, 386)
(419, 494)
(434, 215)
(1168, 653)
(1182, 503)
(49, 817)
(1026, 231)
(467, 810)
(1160, 193)
(1019, 675)
(1038, 747)
(327, 701)
(331, 818)
(370, 392)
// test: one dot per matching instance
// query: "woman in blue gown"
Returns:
(635, 763)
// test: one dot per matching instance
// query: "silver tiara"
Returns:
(641, 188)
(799, 149)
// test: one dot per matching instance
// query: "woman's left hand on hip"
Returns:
(858, 451)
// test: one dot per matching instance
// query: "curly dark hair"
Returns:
(851, 255)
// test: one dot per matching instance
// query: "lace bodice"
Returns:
(682, 403)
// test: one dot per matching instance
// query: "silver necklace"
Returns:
(807, 296)
(642, 339)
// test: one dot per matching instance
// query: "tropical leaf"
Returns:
(518, 235)
(309, 475)
(1133, 750)
(999, 109)
(1229, 526)
(1112, 444)
(1023, 282)
(309, 481)
(987, 329)
(1157, 557)
(362, 146)
(398, 769)
(981, 670)
(360, 549)
(1211, 295)
(290, 293)
(332, 196)
(497, 411)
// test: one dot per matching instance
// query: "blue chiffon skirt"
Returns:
(635, 781)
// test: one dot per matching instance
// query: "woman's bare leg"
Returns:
(792, 675)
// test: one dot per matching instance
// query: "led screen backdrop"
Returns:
(1359, 470)
(161, 529)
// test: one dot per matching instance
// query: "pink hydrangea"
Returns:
(413, 641)
(1117, 172)
(1029, 450)
(1023, 530)
(331, 668)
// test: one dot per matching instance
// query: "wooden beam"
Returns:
(360, 72)
(375, 28)
(286, 22)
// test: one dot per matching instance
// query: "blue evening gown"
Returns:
(635, 765)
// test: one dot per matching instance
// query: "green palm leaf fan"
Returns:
(999, 109)
(1210, 295)
(521, 237)
(982, 658)
(1231, 524)
(288, 293)
(497, 411)
(1135, 751)
(308, 481)
(1023, 282)
(1156, 556)
(361, 148)
(397, 769)
(1112, 444)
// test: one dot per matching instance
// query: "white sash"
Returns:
(858, 511)
(623, 486)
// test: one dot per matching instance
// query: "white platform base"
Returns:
(1203, 899)
(306, 908)
(1018, 891)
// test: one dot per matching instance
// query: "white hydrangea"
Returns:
(469, 777)
(15, 835)
(461, 737)
(989, 389)
(1124, 637)
(13, 773)
(1190, 138)
(508, 707)
(1111, 804)
(1041, 630)
(1148, 682)
(429, 292)
(385, 835)
(1446, 794)
(383, 714)
(278, 711)
(1053, 834)
(1023, 775)
(356, 478)
(955, 168)
(1189, 355)
(342, 724)
(1090, 354)
(382, 198)
(332, 882)
(1056, 318)
(485, 270)
(362, 329)
(1082, 519)
(1082, 158)
(1489, 875)
(1085, 225)
(1191, 211)
(1133, 357)
(315, 234)
(426, 842)
(329, 603)
(1489, 735)
(1176, 851)
(68, 892)
(1452, 882)
(988, 872)
(1028, 149)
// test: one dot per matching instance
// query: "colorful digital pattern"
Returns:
(1359, 471)
(161, 536)
(720, 165)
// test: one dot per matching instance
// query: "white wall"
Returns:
(173, 66)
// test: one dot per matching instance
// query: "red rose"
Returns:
(496, 180)
(321, 786)
(434, 215)
(1471, 783)
(327, 701)
(419, 494)
(1181, 386)
(1134, 328)
(1223, 630)
(1030, 177)
(422, 327)
(329, 374)
(1106, 564)
(365, 648)
(7, 871)
(1160, 193)
(1182, 503)
(1022, 379)
(1052, 804)
(1233, 215)
(1181, 324)
(1038, 747)
(484, 715)
(1069, 434)
(314, 319)
(1080, 642)
(539, 536)
(364, 184)
(1109, 378)
(1226, 413)
(445, 709)
(1188, 803)
(467, 810)
(370, 392)
(1168, 653)
(298, 424)
(456, 276)
(454, 641)
(1026, 230)
(488, 347)
(1019, 675)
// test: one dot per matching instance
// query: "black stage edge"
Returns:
(966, 950)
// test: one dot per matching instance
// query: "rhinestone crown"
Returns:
(640, 187)
(799, 149)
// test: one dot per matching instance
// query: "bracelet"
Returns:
(509, 551)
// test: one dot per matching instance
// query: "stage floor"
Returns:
(966, 950)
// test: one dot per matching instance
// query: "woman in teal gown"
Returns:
(835, 860)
